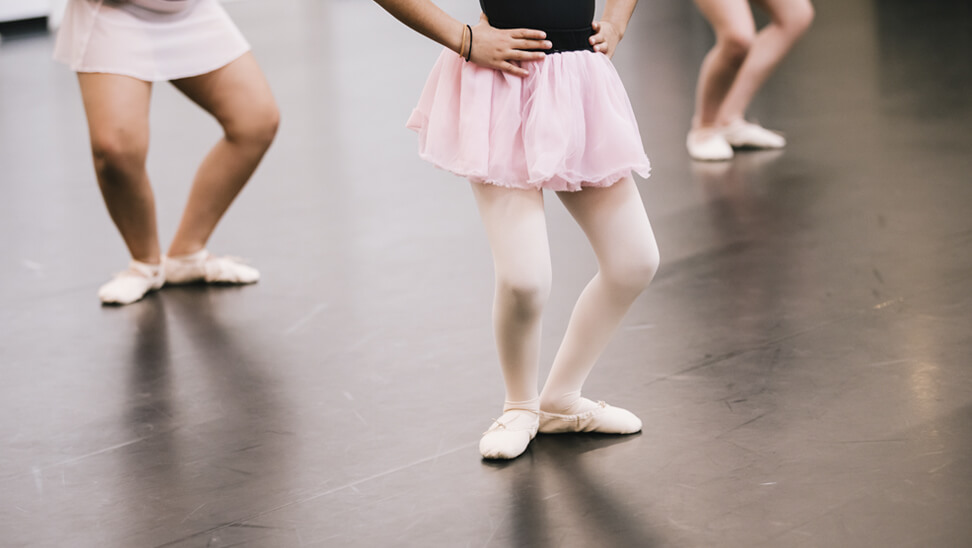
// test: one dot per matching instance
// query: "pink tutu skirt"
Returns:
(566, 126)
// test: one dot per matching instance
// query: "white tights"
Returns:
(617, 227)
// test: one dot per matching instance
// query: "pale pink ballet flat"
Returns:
(509, 435)
(708, 145)
(743, 134)
(603, 418)
(201, 266)
(131, 285)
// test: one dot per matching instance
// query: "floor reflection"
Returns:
(552, 489)
(201, 454)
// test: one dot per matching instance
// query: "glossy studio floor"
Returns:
(802, 362)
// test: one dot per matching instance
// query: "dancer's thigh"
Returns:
(616, 224)
(728, 17)
(516, 228)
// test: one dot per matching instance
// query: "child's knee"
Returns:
(798, 19)
(117, 154)
(635, 271)
(258, 126)
(527, 294)
(735, 44)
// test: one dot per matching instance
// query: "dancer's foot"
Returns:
(743, 134)
(708, 144)
(588, 416)
(509, 435)
(203, 267)
(131, 285)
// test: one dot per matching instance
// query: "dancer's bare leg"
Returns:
(732, 21)
(790, 19)
(117, 108)
(239, 97)
(617, 226)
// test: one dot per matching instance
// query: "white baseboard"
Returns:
(13, 10)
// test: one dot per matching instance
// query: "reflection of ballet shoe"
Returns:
(509, 435)
(203, 267)
(131, 285)
(743, 134)
(601, 418)
(708, 145)
(756, 158)
(710, 170)
(549, 446)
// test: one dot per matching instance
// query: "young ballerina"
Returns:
(735, 69)
(119, 48)
(516, 122)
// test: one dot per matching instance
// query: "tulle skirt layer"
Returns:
(566, 126)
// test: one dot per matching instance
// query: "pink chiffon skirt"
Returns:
(566, 126)
(108, 37)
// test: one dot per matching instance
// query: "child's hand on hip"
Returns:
(606, 37)
(500, 48)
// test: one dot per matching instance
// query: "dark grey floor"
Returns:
(802, 362)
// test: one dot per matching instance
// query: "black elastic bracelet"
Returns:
(469, 51)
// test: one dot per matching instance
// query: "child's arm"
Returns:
(610, 29)
(491, 48)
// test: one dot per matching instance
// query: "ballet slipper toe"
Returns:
(743, 134)
(708, 145)
(509, 435)
(131, 285)
(229, 270)
(604, 419)
(204, 267)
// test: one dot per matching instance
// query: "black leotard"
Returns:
(566, 22)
